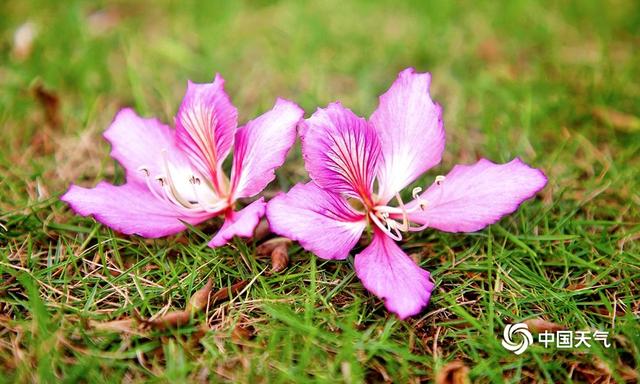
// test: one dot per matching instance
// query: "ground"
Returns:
(555, 84)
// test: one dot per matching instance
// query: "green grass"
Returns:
(515, 78)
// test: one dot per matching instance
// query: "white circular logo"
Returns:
(517, 329)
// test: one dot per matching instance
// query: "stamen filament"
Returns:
(163, 197)
(147, 177)
(395, 210)
(418, 229)
(397, 236)
(381, 214)
(405, 216)
(173, 197)
(171, 183)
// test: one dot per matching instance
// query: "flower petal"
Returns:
(474, 196)
(240, 223)
(205, 125)
(322, 222)
(262, 146)
(341, 151)
(137, 142)
(411, 132)
(128, 208)
(390, 274)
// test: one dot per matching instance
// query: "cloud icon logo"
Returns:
(525, 336)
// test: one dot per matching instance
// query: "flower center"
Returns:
(385, 216)
(184, 189)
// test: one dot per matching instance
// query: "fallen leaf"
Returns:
(41, 141)
(130, 326)
(454, 372)
(279, 258)
(170, 320)
(268, 246)
(540, 325)
(262, 230)
(200, 299)
(223, 294)
(50, 102)
(242, 333)
(576, 287)
(196, 336)
(619, 120)
(605, 312)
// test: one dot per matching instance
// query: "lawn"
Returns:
(554, 83)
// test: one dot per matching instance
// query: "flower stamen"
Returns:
(381, 215)
(170, 193)
(386, 227)
(147, 177)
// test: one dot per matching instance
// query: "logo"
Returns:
(520, 329)
(560, 339)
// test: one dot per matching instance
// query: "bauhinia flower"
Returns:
(358, 167)
(175, 176)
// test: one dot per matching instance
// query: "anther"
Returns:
(144, 170)
(422, 203)
(440, 179)
(168, 191)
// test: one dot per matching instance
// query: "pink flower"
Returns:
(175, 176)
(345, 155)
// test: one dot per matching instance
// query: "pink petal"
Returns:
(205, 126)
(129, 208)
(322, 222)
(474, 196)
(137, 142)
(341, 151)
(262, 146)
(240, 223)
(390, 274)
(411, 132)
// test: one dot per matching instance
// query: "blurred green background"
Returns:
(555, 83)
